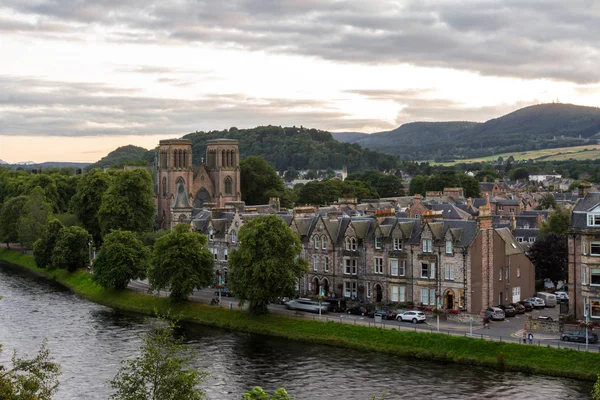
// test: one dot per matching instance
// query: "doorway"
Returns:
(450, 300)
(378, 293)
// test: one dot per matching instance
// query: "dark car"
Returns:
(509, 311)
(520, 308)
(578, 336)
(385, 314)
(225, 292)
(360, 310)
(527, 304)
(336, 305)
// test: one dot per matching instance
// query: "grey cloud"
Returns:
(519, 38)
(30, 107)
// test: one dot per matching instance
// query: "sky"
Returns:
(80, 78)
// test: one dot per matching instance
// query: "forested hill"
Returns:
(125, 155)
(299, 148)
(530, 128)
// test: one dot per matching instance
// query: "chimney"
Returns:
(513, 223)
(469, 202)
(430, 215)
(485, 179)
(484, 221)
(274, 202)
(584, 188)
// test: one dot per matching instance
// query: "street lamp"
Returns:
(219, 285)
(437, 308)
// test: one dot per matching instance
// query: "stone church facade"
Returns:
(182, 186)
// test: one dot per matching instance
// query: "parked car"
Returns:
(549, 299)
(225, 292)
(412, 316)
(360, 310)
(509, 310)
(537, 302)
(579, 336)
(561, 296)
(495, 314)
(519, 308)
(336, 305)
(527, 304)
(307, 305)
(385, 314)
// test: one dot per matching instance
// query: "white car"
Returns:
(562, 296)
(537, 302)
(412, 316)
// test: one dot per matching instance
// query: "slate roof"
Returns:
(582, 207)
(511, 246)
(450, 211)
(526, 220)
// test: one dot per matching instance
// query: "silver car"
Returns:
(307, 305)
(495, 314)
(412, 316)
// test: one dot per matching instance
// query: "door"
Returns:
(450, 300)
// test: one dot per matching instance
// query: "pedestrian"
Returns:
(524, 337)
(530, 337)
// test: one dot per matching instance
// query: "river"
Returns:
(89, 340)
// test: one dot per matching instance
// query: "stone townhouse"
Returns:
(584, 257)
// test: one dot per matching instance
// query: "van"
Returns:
(307, 305)
(549, 298)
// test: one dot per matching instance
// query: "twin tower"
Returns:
(183, 186)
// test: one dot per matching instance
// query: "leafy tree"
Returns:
(127, 203)
(257, 393)
(162, 371)
(87, 201)
(72, 249)
(259, 181)
(558, 222)
(290, 174)
(547, 201)
(121, 258)
(386, 185)
(418, 184)
(266, 265)
(550, 257)
(9, 219)
(34, 218)
(44, 247)
(181, 262)
(519, 173)
(596, 390)
(30, 379)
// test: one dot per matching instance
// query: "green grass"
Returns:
(587, 152)
(437, 347)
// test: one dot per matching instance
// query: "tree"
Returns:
(547, 201)
(417, 185)
(30, 379)
(34, 218)
(9, 219)
(162, 371)
(596, 390)
(121, 258)
(549, 255)
(44, 247)
(259, 180)
(181, 262)
(558, 222)
(257, 393)
(266, 265)
(127, 203)
(87, 201)
(72, 249)
(519, 174)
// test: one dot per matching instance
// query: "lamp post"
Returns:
(586, 327)
(219, 285)
(90, 253)
(437, 308)
(320, 300)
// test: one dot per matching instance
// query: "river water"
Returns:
(89, 341)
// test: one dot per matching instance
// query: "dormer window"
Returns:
(593, 219)
(211, 235)
(427, 245)
(233, 237)
(449, 247)
(324, 242)
(397, 244)
(378, 243)
(351, 243)
(316, 239)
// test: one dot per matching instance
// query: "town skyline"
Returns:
(82, 80)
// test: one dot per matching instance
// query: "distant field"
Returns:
(588, 152)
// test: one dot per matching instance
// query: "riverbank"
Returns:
(504, 356)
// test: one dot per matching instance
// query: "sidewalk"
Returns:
(537, 335)
(453, 326)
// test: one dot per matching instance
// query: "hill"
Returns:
(349, 137)
(125, 155)
(531, 128)
(298, 148)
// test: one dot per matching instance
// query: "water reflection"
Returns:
(90, 340)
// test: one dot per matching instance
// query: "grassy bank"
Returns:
(506, 356)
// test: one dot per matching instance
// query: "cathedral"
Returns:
(183, 188)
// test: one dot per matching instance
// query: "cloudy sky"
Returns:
(79, 78)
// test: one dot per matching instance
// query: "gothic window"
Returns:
(164, 186)
(230, 158)
(184, 159)
(223, 158)
(180, 180)
(163, 159)
(228, 185)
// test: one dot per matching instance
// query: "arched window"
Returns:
(180, 180)
(223, 158)
(233, 237)
(316, 239)
(324, 242)
(185, 161)
(164, 186)
(228, 185)
(353, 244)
(175, 159)
(347, 242)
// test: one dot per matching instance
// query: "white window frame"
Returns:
(350, 289)
(518, 272)
(426, 274)
(520, 239)
(315, 262)
(427, 245)
(316, 240)
(584, 247)
(324, 242)
(233, 236)
(402, 268)
(593, 219)
(395, 293)
(402, 293)
(531, 239)
(594, 272)
(215, 253)
(211, 235)
(394, 266)
(595, 249)
(378, 265)
(584, 275)
(425, 296)
(369, 290)
(377, 243)
(350, 266)
(326, 266)
(449, 271)
(449, 247)
(431, 270)
(351, 243)
(397, 244)
(225, 254)
(500, 274)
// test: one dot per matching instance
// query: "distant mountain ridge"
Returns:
(530, 128)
